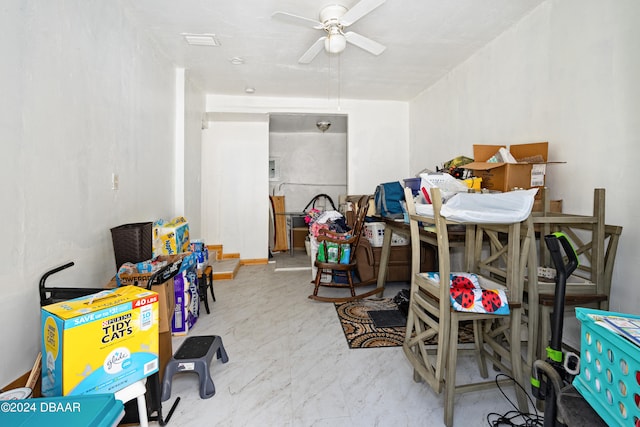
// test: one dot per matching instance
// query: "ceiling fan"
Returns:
(333, 20)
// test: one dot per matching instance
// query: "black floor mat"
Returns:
(387, 318)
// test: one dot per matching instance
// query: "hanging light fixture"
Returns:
(335, 42)
(323, 125)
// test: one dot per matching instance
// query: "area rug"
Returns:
(361, 331)
(387, 318)
(359, 328)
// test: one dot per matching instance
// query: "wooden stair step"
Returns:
(225, 266)
(225, 269)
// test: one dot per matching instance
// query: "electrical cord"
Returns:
(514, 418)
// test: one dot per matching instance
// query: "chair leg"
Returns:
(210, 278)
(442, 349)
(545, 326)
(450, 381)
(317, 281)
(416, 376)
(516, 359)
(202, 289)
(351, 286)
(206, 302)
(478, 343)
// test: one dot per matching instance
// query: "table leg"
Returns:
(384, 261)
(291, 235)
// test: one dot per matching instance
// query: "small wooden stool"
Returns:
(194, 355)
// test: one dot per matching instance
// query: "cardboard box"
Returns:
(529, 172)
(399, 264)
(299, 236)
(100, 343)
(165, 352)
(170, 238)
(166, 290)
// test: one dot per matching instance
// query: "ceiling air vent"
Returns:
(201, 39)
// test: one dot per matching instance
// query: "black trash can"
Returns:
(132, 242)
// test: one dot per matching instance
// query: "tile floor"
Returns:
(289, 365)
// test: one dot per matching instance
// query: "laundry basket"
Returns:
(374, 232)
(132, 242)
(609, 370)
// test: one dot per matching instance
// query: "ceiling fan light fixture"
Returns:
(323, 125)
(335, 42)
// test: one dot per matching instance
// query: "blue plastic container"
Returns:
(96, 410)
(609, 376)
(413, 184)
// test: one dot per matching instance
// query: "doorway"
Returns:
(307, 157)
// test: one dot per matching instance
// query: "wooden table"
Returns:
(457, 238)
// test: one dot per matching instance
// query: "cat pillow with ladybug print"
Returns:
(467, 295)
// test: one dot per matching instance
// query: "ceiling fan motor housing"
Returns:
(331, 15)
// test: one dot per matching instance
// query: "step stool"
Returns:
(194, 355)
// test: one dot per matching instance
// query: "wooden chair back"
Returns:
(595, 242)
(351, 237)
(342, 270)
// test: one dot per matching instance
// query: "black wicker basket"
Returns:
(132, 242)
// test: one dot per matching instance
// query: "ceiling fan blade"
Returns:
(359, 10)
(298, 20)
(365, 43)
(313, 51)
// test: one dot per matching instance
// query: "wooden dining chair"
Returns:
(339, 268)
(496, 337)
(596, 245)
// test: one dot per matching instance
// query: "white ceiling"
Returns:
(424, 39)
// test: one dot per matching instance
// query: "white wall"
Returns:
(235, 186)
(84, 95)
(567, 74)
(378, 151)
(311, 163)
(193, 117)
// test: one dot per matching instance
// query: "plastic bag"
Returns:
(447, 184)
(492, 208)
